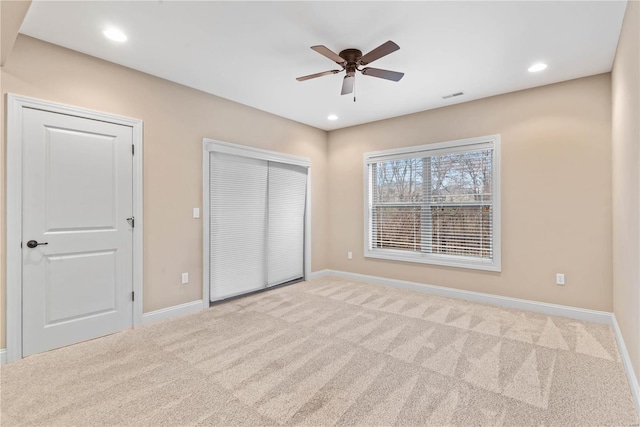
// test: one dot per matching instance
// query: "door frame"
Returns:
(209, 145)
(13, 279)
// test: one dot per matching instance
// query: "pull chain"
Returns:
(354, 89)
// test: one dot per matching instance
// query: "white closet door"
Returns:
(285, 242)
(238, 215)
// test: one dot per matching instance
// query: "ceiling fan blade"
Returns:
(383, 74)
(383, 50)
(347, 84)
(323, 50)
(313, 76)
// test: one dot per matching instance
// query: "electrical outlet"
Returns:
(196, 212)
(185, 278)
(560, 279)
(350, 255)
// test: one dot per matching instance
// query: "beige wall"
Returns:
(12, 14)
(176, 119)
(626, 183)
(556, 191)
(556, 174)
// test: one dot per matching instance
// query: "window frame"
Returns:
(436, 148)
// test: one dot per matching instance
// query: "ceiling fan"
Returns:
(351, 60)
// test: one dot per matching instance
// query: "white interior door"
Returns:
(77, 196)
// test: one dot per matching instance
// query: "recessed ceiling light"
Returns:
(115, 34)
(537, 67)
(332, 117)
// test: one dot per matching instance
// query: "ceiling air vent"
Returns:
(452, 95)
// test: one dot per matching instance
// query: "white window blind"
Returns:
(257, 216)
(287, 200)
(435, 205)
(238, 215)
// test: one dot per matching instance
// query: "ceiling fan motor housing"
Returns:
(351, 55)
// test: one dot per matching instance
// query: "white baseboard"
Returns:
(479, 297)
(626, 361)
(3, 356)
(321, 273)
(169, 312)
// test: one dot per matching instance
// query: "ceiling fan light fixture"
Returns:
(537, 67)
(332, 117)
(115, 34)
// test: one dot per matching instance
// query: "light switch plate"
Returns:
(185, 278)
(196, 212)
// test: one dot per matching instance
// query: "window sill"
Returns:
(444, 260)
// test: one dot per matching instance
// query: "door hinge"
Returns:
(133, 296)
(132, 220)
(133, 149)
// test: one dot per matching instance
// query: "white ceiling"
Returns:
(251, 52)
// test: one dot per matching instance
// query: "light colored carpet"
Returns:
(326, 352)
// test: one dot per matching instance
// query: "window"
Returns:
(437, 203)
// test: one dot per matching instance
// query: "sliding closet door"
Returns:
(287, 194)
(238, 215)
